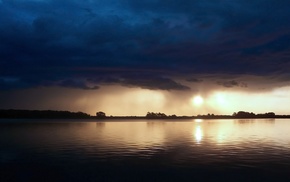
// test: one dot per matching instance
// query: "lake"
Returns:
(145, 150)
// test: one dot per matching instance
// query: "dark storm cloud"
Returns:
(76, 84)
(232, 83)
(141, 80)
(45, 42)
(193, 80)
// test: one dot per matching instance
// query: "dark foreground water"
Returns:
(144, 150)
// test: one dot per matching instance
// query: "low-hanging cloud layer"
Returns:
(158, 45)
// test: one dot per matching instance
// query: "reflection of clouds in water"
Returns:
(138, 135)
(144, 135)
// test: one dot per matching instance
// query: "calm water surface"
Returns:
(145, 150)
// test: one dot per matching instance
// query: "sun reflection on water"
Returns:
(198, 134)
(198, 120)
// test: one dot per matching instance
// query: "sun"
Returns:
(197, 100)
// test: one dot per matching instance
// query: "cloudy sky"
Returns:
(127, 57)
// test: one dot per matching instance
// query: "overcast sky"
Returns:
(130, 57)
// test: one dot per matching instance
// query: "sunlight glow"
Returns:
(118, 101)
(227, 102)
(197, 100)
(220, 99)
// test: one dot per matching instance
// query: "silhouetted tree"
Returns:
(271, 114)
(243, 114)
(155, 115)
(173, 116)
(267, 115)
(101, 114)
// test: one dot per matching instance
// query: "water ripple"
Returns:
(209, 144)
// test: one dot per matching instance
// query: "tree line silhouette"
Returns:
(50, 114)
(46, 114)
(243, 114)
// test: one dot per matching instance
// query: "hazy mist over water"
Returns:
(149, 150)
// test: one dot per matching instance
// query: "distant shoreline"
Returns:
(50, 114)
